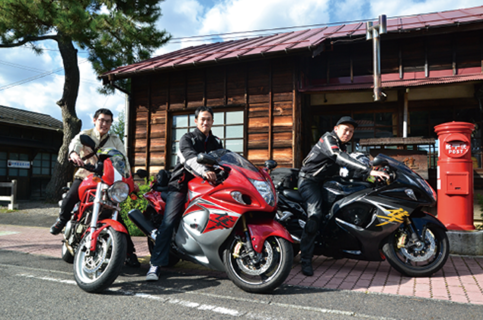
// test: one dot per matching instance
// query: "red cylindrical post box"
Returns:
(455, 175)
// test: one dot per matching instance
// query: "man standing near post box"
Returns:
(325, 160)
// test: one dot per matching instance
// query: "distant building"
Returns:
(29, 144)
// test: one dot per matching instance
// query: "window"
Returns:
(227, 126)
(3, 163)
(43, 164)
(14, 172)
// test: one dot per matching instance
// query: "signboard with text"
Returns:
(18, 164)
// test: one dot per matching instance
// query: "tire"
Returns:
(66, 255)
(272, 270)
(97, 272)
(173, 259)
(417, 262)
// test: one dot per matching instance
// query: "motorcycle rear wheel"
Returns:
(421, 262)
(96, 272)
(266, 275)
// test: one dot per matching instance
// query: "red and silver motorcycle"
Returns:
(228, 225)
(93, 239)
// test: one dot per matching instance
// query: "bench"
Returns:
(13, 194)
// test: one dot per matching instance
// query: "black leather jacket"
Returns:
(326, 158)
(190, 145)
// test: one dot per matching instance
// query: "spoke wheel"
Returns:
(421, 259)
(96, 271)
(269, 270)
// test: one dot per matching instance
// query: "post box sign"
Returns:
(17, 164)
(456, 148)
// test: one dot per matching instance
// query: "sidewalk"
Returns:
(461, 279)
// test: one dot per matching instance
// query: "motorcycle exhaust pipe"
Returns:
(144, 225)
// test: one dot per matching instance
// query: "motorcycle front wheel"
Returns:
(263, 274)
(96, 271)
(418, 261)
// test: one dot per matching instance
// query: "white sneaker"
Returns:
(153, 273)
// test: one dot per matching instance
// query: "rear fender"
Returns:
(421, 219)
(116, 225)
(261, 229)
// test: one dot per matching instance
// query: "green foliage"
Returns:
(479, 200)
(114, 32)
(118, 126)
(140, 204)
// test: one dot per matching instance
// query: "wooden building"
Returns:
(29, 144)
(273, 96)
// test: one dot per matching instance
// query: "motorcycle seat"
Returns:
(160, 189)
(293, 195)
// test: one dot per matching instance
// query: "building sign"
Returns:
(18, 164)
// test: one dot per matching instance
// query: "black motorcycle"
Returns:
(371, 221)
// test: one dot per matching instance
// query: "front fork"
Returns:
(91, 242)
(414, 238)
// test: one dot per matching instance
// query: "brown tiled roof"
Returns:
(29, 118)
(289, 42)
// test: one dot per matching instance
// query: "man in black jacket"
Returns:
(325, 160)
(191, 144)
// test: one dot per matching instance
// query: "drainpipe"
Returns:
(405, 116)
(374, 32)
(126, 123)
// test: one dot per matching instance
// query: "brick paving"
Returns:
(460, 280)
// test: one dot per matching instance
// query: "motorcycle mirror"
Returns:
(87, 141)
(379, 161)
(142, 173)
(206, 159)
(270, 164)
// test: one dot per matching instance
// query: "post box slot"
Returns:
(457, 183)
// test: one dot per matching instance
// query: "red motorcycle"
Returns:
(227, 225)
(93, 239)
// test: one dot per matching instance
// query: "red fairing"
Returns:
(266, 228)
(154, 198)
(116, 225)
(108, 176)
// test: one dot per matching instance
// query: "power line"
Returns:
(44, 74)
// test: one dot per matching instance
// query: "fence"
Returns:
(12, 198)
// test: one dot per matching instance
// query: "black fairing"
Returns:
(360, 216)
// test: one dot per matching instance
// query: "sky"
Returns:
(34, 82)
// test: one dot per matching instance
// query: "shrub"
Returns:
(140, 203)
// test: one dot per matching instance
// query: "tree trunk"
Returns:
(63, 170)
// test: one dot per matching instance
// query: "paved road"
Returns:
(42, 287)
(36, 284)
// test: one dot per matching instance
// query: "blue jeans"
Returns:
(172, 215)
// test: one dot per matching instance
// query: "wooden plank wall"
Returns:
(265, 90)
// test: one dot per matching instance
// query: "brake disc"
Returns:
(423, 253)
(246, 265)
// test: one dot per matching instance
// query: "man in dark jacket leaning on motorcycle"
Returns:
(190, 145)
(324, 161)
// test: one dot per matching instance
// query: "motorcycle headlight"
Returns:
(118, 192)
(265, 191)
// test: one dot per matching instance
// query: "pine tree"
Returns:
(114, 32)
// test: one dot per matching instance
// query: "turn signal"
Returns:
(133, 196)
(96, 179)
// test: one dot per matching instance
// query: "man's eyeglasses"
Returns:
(104, 121)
